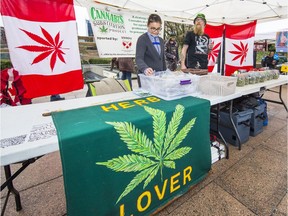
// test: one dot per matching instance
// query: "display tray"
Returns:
(217, 85)
(196, 71)
(170, 86)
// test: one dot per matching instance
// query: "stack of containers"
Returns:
(257, 119)
(241, 120)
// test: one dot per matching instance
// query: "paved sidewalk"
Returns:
(252, 182)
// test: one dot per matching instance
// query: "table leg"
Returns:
(11, 189)
(9, 183)
(280, 97)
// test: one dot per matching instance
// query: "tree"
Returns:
(179, 29)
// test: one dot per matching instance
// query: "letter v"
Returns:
(161, 195)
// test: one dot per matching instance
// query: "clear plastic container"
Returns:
(275, 74)
(170, 85)
(246, 78)
(269, 75)
(257, 77)
(262, 76)
(217, 85)
(240, 80)
(252, 78)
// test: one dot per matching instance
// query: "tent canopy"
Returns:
(268, 30)
(216, 11)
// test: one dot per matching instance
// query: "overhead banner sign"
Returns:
(116, 31)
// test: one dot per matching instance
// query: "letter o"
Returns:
(139, 206)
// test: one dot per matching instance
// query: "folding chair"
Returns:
(107, 86)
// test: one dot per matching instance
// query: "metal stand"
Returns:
(280, 97)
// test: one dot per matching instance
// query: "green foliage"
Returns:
(271, 47)
(179, 29)
(100, 61)
(6, 64)
(84, 61)
(260, 55)
(151, 157)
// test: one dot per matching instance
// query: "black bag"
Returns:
(245, 103)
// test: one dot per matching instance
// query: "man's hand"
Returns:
(183, 66)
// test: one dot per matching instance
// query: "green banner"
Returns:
(132, 157)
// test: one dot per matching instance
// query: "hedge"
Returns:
(5, 64)
(100, 61)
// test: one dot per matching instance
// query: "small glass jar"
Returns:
(240, 80)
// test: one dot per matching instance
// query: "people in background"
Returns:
(270, 60)
(126, 66)
(171, 52)
(196, 46)
(150, 48)
(56, 97)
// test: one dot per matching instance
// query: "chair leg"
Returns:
(138, 80)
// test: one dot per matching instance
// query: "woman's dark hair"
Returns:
(154, 18)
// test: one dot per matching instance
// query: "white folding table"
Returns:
(27, 135)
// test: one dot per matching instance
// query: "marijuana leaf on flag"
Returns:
(47, 58)
(216, 34)
(239, 47)
(51, 46)
(240, 52)
(214, 52)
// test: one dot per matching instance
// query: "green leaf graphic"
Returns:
(103, 29)
(178, 153)
(150, 157)
(181, 136)
(169, 164)
(135, 181)
(136, 140)
(159, 126)
(173, 126)
(153, 173)
(128, 163)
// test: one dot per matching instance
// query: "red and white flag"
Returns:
(43, 45)
(216, 34)
(239, 45)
